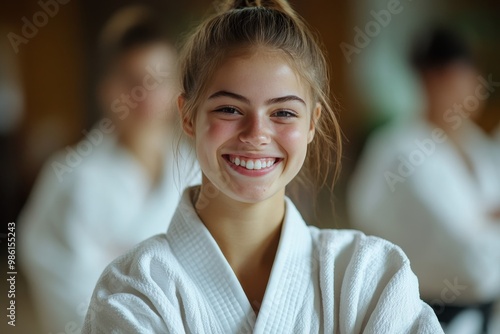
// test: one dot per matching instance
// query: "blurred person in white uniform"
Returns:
(117, 186)
(431, 185)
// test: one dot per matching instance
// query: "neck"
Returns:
(147, 146)
(436, 117)
(247, 233)
(455, 136)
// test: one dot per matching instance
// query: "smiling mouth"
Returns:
(251, 164)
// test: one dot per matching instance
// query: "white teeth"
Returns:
(253, 164)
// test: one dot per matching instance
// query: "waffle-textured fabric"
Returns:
(322, 281)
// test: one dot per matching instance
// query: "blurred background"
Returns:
(48, 80)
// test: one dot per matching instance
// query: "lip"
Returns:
(252, 155)
(251, 172)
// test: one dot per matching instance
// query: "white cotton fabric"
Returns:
(440, 215)
(72, 227)
(322, 281)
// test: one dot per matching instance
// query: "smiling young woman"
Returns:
(238, 257)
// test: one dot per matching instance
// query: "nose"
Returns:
(255, 131)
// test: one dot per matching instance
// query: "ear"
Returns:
(316, 114)
(187, 124)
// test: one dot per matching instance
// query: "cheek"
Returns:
(215, 132)
(464, 87)
(161, 97)
(211, 135)
(294, 140)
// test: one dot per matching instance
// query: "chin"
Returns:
(250, 194)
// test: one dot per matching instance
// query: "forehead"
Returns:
(142, 56)
(258, 75)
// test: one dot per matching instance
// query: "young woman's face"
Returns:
(140, 87)
(252, 129)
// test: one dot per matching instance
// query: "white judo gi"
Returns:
(322, 281)
(412, 187)
(76, 222)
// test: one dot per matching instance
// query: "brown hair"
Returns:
(241, 24)
(130, 27)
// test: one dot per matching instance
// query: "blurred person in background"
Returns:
(117, 186)
(431, 185)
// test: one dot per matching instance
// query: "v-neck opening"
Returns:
(201, 257)
(205, 263)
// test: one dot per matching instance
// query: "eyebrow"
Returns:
(241, 98)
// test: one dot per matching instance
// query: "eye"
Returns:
(228, 110)
(284, 114)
